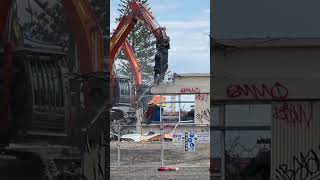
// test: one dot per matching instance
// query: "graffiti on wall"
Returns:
(306, 166)
(199, 97)
(203, 115)
(202, 97)
(292, 113)
(261, 91)
(190, 90)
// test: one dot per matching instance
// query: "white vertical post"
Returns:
(179, 108)
(161, 133)
(101, 157)
(119, 144)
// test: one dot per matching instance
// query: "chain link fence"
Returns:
(165, 133)
(241, 142)
(156, 145)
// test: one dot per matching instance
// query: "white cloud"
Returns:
(206, 11)
(186, 24)
(189, 39)
(165, 6)
(112, 26)
(189, 43)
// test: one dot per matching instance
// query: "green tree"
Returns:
(48, 24)
(143, 44)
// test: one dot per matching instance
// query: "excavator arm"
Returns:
(138, 11)
(88, 34)
(4, 11)
(89, 42)
(127, 49)
(8, 47)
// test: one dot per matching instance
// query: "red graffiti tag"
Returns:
(292, 114)
(277, 91)
(202, 97)
(190, 90)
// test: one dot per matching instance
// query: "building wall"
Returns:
(192, 81)
(192, 85)
(267, 73)
(267, 62)
(288, 79)
(202, 101)
(295, 140)
(202, 109)
(259, 19)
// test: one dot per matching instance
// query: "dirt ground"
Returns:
(134, 173)
(141, 161)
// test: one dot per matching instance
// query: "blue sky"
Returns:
(188, 26)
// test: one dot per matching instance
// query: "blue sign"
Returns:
(190, 141)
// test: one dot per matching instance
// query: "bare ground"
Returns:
(141, 161)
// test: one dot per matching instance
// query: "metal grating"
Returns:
(48, 93)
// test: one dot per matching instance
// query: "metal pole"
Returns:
(161, 132)
(119, 136)
(10, 19)
(222, 113)
(96, 51)
(179, 108)
(100, 148)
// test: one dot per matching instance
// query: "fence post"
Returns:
(179, 108)
(119, 136)
(161, 132)
(222, 116)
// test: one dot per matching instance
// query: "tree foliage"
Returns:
(48, 23)
(143, 44)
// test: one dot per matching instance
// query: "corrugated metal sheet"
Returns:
(295, 140)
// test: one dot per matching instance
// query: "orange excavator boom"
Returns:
(138, 11)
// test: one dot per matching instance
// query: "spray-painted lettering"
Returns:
(203, 115)
(292, 113)
(276, 91)
(190, 90)
(202, 97)
(304, 167)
